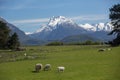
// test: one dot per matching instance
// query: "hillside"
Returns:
(24, 39)
(78, 38)
(61, 27)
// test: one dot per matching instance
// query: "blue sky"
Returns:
(28, 15)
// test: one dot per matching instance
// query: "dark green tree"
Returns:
(56, 43)
(115, 21)
(4, 34)
(13, 42)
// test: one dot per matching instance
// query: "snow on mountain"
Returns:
(58, 20)
(60, 27)
(28, 33)
(44, 28)
(88, 27)
(53, 23)
(102, 27)
(97, 27)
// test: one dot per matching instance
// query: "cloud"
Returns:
(89, 17)
(75, 18)
(43, 20)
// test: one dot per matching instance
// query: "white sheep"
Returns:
(38, 67)
(109, 49)
(25, 54)
(47, 67)
(101, 50)
(61, 69)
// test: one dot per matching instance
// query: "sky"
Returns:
(29, 15)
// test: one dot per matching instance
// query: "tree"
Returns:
(115, 21)
(4, 34)
(56, 43)
(13, 42)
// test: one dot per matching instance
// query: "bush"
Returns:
(88, 42)
(57, 43)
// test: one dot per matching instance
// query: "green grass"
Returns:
(81, 63)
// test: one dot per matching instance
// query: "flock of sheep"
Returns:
(103, 49)
(47, 67)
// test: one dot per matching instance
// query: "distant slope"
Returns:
(24, 39)
(78, 38)
(57, 28)
(60, 27)
(102, 35)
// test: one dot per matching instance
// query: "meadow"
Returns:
(80, 62)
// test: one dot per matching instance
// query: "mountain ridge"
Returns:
(60, 27)
(23, 38)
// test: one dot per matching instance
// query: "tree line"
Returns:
(7, 40)
(88, 42)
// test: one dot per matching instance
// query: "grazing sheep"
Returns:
(101, 50)
(61, 69)
(109, 49)
(47, 67)
(38, 67)
(25, 54)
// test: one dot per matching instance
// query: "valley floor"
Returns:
(80, 62)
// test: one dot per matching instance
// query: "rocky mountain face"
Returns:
(63, 29)
(60, 27)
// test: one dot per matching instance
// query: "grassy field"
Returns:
(80, 62)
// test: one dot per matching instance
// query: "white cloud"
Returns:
(31, 21)
(75, 18)
(89, 17)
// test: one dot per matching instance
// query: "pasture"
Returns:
(80, 62)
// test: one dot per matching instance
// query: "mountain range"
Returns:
(59, 28)
(63, 29)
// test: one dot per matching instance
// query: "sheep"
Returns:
(38, 67)
(61, 69)
(109, 49)
(25, 54)
(101, 50)
(47, 67)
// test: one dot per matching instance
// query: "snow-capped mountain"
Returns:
(97, 27)
(60, 27)
(64, 29)
(54, 22)
(59, 20)
(88, 27)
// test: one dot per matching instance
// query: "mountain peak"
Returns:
(58, 20)
(2, 19)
